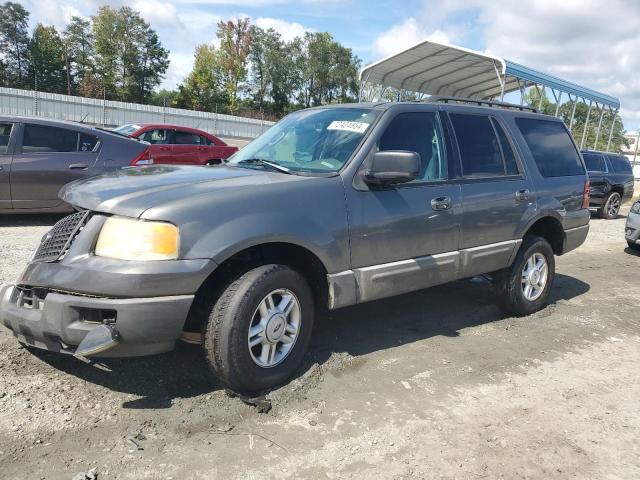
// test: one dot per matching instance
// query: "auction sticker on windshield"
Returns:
(357, 127)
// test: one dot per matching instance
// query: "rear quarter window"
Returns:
(551, 147)
(620, 164)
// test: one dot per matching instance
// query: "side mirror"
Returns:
(392, 167)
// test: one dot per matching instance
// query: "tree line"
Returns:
(115, 54)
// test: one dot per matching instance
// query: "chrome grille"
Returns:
(58, 240)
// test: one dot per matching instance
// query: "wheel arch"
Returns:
(550, 228)
(293, 255)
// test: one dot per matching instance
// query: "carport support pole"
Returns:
(557, 99)
(573, 113)
(613, 122)
(595, 144)
(586, 124)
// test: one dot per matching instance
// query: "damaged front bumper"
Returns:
(60, 321)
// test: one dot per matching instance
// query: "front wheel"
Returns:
(611, 206)
(633, 245)
(259, 328)
(524, 287)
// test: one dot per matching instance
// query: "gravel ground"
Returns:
(436, 384)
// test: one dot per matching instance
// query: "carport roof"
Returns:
(439, 69)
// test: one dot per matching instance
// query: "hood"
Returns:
(131, 191)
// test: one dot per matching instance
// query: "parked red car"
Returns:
(177, 144)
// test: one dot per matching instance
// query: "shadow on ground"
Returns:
(30, 219)
(359, 330)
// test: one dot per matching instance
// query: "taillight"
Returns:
(585, 194)
(144, 158)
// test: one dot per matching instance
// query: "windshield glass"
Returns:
(128, 129)
(319, 140)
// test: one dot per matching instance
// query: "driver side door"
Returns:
(405, 237)
(7, 140)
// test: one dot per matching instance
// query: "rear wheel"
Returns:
(259, 329)
(524, 287)
(633, 245)
(214, 162)
(611, 206)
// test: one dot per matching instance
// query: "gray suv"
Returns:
(333, 206)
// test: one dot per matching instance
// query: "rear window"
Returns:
(594, 162)
(479, 148)
(551, 147)
(620, 164)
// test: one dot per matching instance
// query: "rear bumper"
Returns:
(60, 321)
(574, 237)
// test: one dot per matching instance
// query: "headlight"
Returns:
(635, 208)
(130, 239)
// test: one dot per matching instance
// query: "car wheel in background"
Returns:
(633, 246)
(524, 287)
(611, 206)
(259, 328)
(214, 162)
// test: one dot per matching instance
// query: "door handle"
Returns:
(522, 195)
(1, 168)
(164, 148)
(78, 166)
(441, 203)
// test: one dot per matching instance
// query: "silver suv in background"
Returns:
(39, 156)
(331, 207)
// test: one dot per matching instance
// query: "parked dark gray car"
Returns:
(331, 207)
(39, 156)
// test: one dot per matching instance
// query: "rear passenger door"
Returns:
(496, 194)
(6, 149)
(46, 159)
(189, 148)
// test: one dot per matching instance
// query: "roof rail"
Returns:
(474, 101)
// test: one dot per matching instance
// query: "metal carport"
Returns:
(432, 68)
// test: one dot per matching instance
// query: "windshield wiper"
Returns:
(267, 163)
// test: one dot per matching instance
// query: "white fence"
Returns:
(108, 113)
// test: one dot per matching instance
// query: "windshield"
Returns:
(128, 129)
(318, 140)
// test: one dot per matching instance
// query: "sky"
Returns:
(595, 43)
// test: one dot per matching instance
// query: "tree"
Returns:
(204, 87)
(79, 52)
(235, 44)
(273, 76)
(14, 42)
(129, 56)
(328, 70)
(47, 55)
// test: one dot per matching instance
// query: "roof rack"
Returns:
(481, 103)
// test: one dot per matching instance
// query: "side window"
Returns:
(551, 147)
(420, 133)
(479, 148)
(87, 142)
(620, 164)
(157, 136)
(510, 163)
(204, 140)
(186, 138)
(594, 162)
(43, 139)
(5, 135)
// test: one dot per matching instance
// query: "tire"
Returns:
(241, 306)
(213, 162)
(510, 282)
(610, 207)
(633, 246)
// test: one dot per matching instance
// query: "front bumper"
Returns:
(632, 228)
(60, 321)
